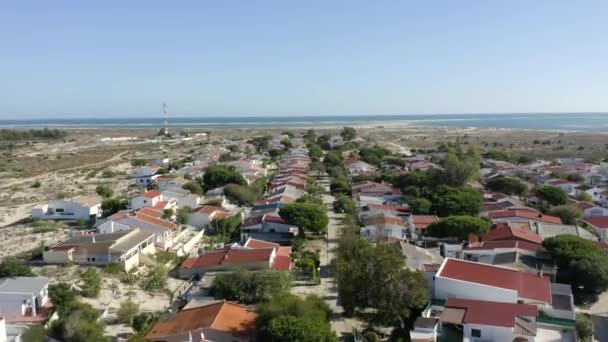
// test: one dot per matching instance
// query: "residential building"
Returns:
(24, 299)
(146, 175)
(123, 248)
(522, 215)
(219, 322)
(268, 227)
(202, 217)
(86, 208)
(599, 225)
(164, 231)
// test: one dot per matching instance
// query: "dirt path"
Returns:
(42, 175)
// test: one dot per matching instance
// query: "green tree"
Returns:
(127, 311)
(447, 201)
(194, 187)
(459, 167)
(182, 215)
(580, 263)
(251, 287)
(62, 295)
(348, 133)
(568, 213)
(314, 152)
(290, 318)
(286, 144)
(80, 323)
(220, 175)
(239, 194)
(584, 327)
(507, 185)
(420, 206)
(91, 282)
(333, 158)
(344, 204)
(339, 186)
(227, 227)
(307, 217)
(374, 155)
(13, 267)
(34, 333)
(143, 322)
(168, 213)
(113, 205)
(104, 191)
(261, 144)
(551, 195)
(155, 280)
(458, 226)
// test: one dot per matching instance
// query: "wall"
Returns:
(198, 220)
(490, 333)
(449, 288)
(56, 257)
(11, 304)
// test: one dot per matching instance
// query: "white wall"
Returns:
(198, 220)
(112, 227)
(71, 211)
(489, 333)
(449, 288)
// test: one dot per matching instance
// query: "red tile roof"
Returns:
(222, 316)
(282, 263)
(423, 221)
(156, 221)
(506, 232)
(528, 286)
(491, 313)
(228, 256)
(160, 204)
(151, 212)
(152, 193)
(492, 245)
(523, 213)
(583, 205)
(600, 222)
(376, 220)
(256, 244)
(208, 209)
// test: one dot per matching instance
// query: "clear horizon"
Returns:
(66, 59)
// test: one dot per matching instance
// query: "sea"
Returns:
(591, 122)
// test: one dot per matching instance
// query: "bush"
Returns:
(113, 268)
(36, 184)
(127, 311)
(567, 213)
(143, 322)
(155, 280)
(584, 327)
(91, 282)
(113, 205)
(104, 191)
(13, 267)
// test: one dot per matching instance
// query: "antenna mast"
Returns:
(165, 119)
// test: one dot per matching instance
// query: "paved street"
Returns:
(327, 288)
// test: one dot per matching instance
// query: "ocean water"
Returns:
(593, 122)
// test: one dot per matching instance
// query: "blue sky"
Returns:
(123, 58)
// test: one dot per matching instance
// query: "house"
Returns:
(490, 321)
(595, 211)
(147, 198)
(122, 247)
(593, 192)
(219, 322)
(145, 175)
(599, 225)
(567, 186)
(512, 231)
(546, 231)
(24, 299)
(165, 183)
(77, 208)
(228, 259)
(268, 227)
(183, 197)
(417, 224)
(164, 231)
(202, 217)
(356, 167)
(522, 215)
(417, 258)
(383, 226)
(459, 279)
(283, 259)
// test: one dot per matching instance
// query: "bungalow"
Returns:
(459, 279)
(147, 198)
(228, 259)
(202, 217)
(356, 167)
(522, 215)
(146, 175)
(481, 320)
(123, 248)
(24, 299)
(165, 183)
(77, 208)
(220, 322)
(268, 227)
(417, 224)
(383, 226)
(599, 225)
(163, 231)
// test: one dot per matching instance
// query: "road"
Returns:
(327, 289)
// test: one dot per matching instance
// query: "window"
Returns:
(475, 332)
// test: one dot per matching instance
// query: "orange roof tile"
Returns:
(152, 193)
(222, 316)
(156, 221)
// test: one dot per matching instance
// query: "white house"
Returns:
(164, 231)
(593, 191)
(358, 166)
(145, 175)
(77, 208)
(165, 183)
(203, 216)
(22, 296)
(146, 199)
